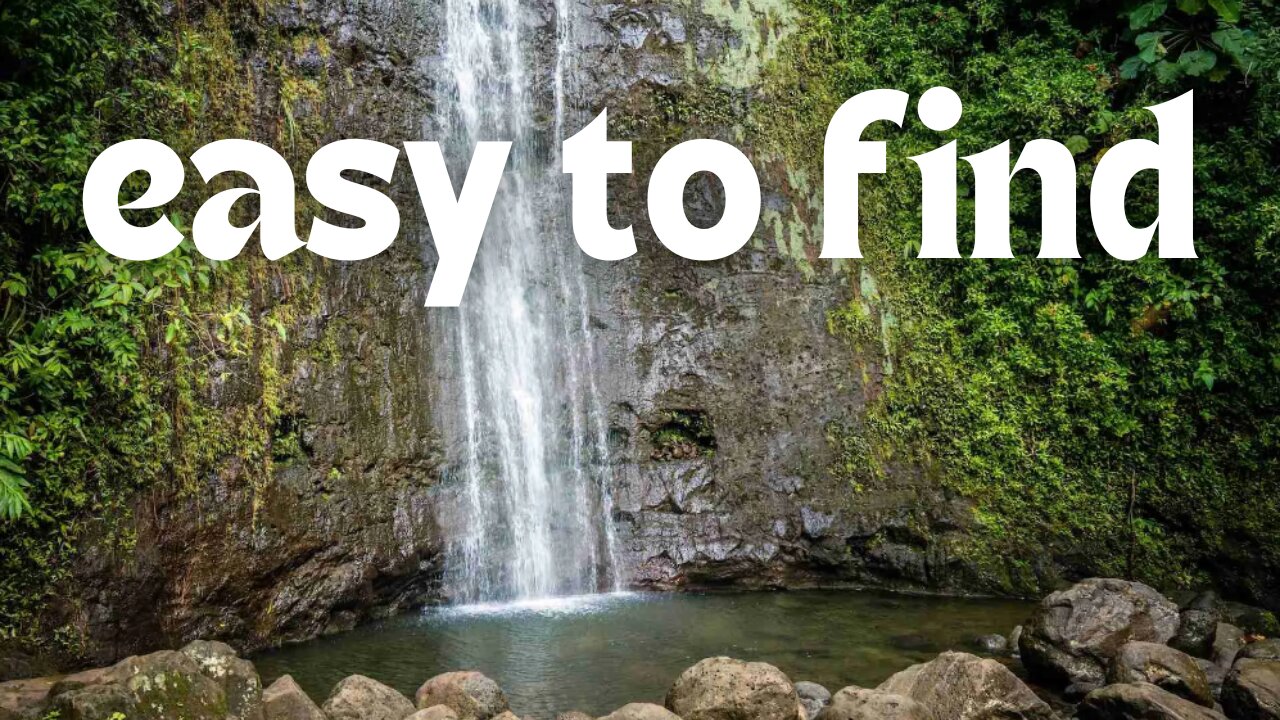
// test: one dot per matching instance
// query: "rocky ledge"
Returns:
(1102, 649)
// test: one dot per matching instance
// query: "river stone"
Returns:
(1015, 637)
(1214, 673)
(992, 644)
(24, 699)
(157, 686)
(1197, 624)
(360, 698)
(1073, 634)
(960, 686)
(237, 676)
(286, 700)
(575, 715)
(1252, 690)
(641, 711)
(813, 698)
(855, 703)
(1260, 650)
(1140, 701)
(1227, 641)
(470, 694)
(435, 712)
(722, 688)
(1162, 666)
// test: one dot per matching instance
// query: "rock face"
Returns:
(469, 694)
(360, 698)
(285, 700)
(1140, 701)
(959, 686)
(641, 711)
(722, 688)
(1162, 666)
(1074, 633)
(1227, 641)
(813, 698)
(854, 703)
(1252, 690)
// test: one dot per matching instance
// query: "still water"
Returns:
(596, 653)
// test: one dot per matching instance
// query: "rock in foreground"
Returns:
(960, 686)
(285, 700)
(1252, 690)
(1140, 701)
(855, 703)
(813, 698)
(1164, 667)
(722, 688)
(237, 676)
(470, 694)
(360, 698)
(641, 711)
(1074, 633)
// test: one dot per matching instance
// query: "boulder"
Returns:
(237, 676)
(992, 644)
(1140, 701)
(960, 686)
(855, 703)
(641, 711)
(158, 686)
(1214, 673)
(1252, 690)
(470, 694)
(435, 712)
(1261, 650)
(360, 698)
(813, 698)
(722, 688)
(575, 715)
(1162, 666)
(24, 699)
(1227, 641)
(1015, 638)
(1073, 634)
(1197, 624)
(285, 700)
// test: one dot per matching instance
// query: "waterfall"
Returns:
(527, 512)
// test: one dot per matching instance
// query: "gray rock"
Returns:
(641, 711)
(960, 686)
(722, 688)
(1162, 666)
(1252, 690)
(470, 694)
(855, 703)
(1073, 634)
(575, 715)
(360, 698)
(1214, 673)
(1197, 624)
(1260, 650)
(1227, 641)
(1140, 701)
(24, 699)
(813, 698)
(237, 676)
(435, 712)
(992, 644)
(1015, 637)
(157, 686)
(285, 700)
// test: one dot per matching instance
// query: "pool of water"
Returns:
(597, 653)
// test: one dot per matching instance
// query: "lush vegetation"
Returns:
(1104, 416)
(106, 363)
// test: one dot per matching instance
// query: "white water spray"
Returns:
(531, 515)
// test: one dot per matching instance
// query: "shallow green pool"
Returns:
(597, 653)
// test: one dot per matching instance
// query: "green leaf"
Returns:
(1132, 68)
(1191, 7)
(1149, 47)
(1167, 72)
(1077, 144)
(1147, 13)
(1197, 62)
(1228, 10)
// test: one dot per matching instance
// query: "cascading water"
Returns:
(529, 513)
